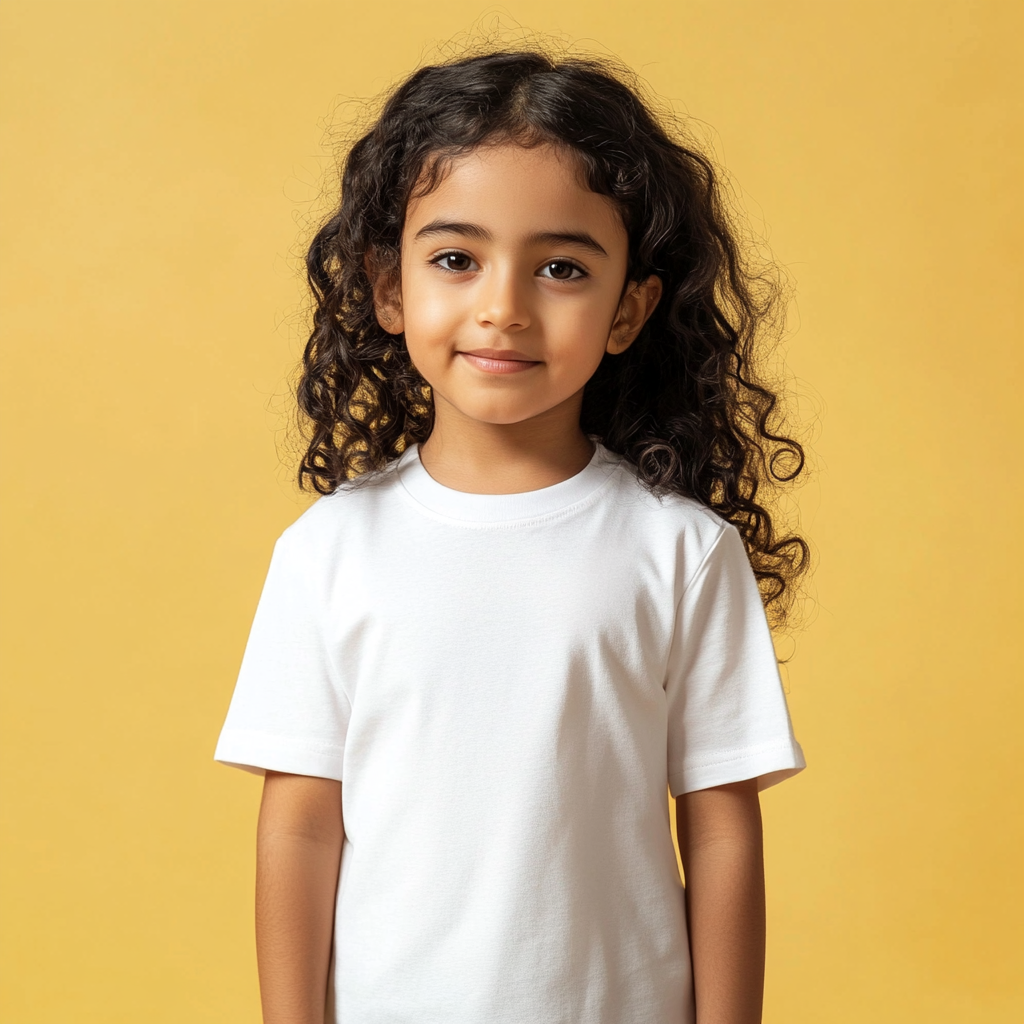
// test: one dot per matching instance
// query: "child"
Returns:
(528, 601)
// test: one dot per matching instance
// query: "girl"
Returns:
(531, 599)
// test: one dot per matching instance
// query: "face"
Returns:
(512, 277)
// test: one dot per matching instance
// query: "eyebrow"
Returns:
(578, 238)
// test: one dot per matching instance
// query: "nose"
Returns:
(502, 301)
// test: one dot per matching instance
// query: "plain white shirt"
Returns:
(507, 685)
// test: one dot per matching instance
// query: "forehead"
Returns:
(512, 190)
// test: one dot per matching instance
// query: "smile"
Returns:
(511, 362)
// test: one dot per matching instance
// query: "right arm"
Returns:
(298, 855)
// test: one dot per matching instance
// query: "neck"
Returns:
(505, 458)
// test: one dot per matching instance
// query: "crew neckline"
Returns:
(468, 506)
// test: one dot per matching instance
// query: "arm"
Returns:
(719, 833)
(298, 854)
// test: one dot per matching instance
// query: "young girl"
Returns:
(530, 602)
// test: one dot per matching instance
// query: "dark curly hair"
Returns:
(682, 404)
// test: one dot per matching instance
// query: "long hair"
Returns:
(683, 404)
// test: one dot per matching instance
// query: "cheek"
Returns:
(431, 322)
(430, 312)
(579, 330)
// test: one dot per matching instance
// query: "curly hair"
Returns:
(683, 404)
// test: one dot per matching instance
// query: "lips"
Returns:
(499, 360)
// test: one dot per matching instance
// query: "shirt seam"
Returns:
(506, 524)
(723, 529)
(305, 744)
(319, 613)
(740, 755)
(686, 586)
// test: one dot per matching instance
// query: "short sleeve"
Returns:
(727, 713)
(288, 712)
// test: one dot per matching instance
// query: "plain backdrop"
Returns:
(163, 165)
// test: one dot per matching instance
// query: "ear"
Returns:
(636, 306)
(387, 296)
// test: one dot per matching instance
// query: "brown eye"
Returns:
(457, 261)
(562, 271)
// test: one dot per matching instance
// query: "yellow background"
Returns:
(161, 167)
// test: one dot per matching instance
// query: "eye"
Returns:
(455, 262)
(562, 270)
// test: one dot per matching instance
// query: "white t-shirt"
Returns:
(506, 685)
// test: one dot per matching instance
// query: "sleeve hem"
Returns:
(770, 765)
(260, 752)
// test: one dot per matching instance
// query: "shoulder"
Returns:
(334, 518)
(666, 512)
(672, 534)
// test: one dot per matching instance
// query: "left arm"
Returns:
(719, 833)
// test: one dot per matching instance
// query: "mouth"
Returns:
(492, 360)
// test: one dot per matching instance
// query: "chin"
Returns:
(499, 415)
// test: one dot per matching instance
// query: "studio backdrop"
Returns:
(163, 166)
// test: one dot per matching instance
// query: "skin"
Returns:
(561, 303)
(298, 855)
(510, 254)
(720, 844)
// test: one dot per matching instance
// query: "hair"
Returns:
(683, 404)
